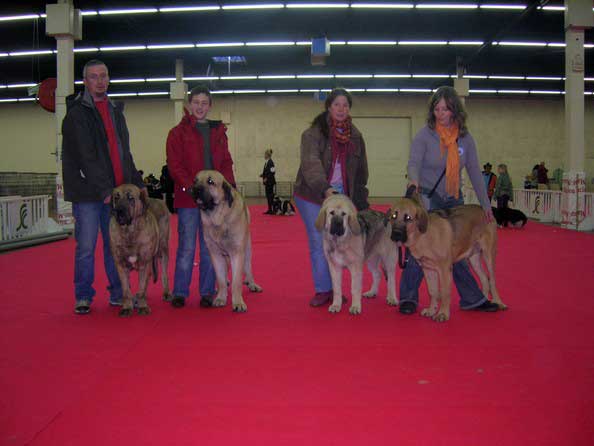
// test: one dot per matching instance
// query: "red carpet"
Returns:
(287, 374)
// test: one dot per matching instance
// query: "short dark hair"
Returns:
(92, 63)
(454, 104)
(321, 120)
(200, 89)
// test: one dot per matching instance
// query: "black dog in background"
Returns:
(507, 216)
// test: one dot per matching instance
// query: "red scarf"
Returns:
(341, 144)
(112, 140)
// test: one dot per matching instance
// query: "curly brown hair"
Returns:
(454, 104)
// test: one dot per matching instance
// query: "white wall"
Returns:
(518, 132)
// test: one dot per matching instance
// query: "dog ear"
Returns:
(144, 200)
(387, 217)
(422, 219)
(228, 193)
(354, 224)
(321, 220)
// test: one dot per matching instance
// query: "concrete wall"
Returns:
(518, 132)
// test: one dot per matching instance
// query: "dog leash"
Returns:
(403, 252)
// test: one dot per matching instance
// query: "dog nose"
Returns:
(336, 226)
(398, 235)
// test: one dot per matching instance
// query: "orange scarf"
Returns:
(448, 142)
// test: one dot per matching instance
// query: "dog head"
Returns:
(127, 203)
(211, 189)
(338, 216)
(407, 218)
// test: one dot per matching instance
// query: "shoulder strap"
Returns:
(430, 194)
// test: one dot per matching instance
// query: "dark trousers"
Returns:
(269, 194)
(502, 201)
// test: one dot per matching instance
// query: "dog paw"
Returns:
(254, 287)
(428, 312)
(334, 308)
(392, 301)
(125, 312)
(218, 302)
(355, 309)
(369, 294)
(441, 317)
(144, 311)
(239, 307)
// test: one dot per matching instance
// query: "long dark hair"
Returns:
(321, 120)
(454, 104)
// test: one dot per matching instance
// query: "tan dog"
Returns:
(226, 224)
(351, 238)
(139, 239)
(439, 239)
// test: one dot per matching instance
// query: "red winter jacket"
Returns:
(185, 156)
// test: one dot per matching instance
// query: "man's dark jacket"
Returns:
(86, 165)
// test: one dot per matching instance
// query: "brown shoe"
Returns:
(321, 299)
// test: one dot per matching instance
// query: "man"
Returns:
(490, 180)
(95, 158)
(195, 144)
(269, 180)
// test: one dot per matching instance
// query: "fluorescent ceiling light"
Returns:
(465, 42)
(446, 6)
(555, 44)
(127, 11)
(222, 92)
(89, 13)
(303, 42)
(3, 54)
(513, 91)
(123, 48)
(354, 76)
(237, 78)
(125, 81)
(153, 93)
(382, 90)
(523, 43)
(170, 46)
(422, 42)
(403, 76)
(355, 90)
(337, 42)
(9, 100)
(249, 91)
(513, 78)
(257, 6)
(317, 5)
(474, 76)
(282, 91)
(431, 76)
(552, 8)
(160, 79)
(309, 90)
(372, 42)
(2, 86)
(85, 50)
(588, 45)
(218, 44)
(543, 78)
(545, 92)
(315, 76)
(277, 76)
(383, 5)
(269, 43)
(11, 18)
(189, 8)
(589, 79)
(20, 85)
(27, 99)
(586, 93)
(510, 7)
(201, 78)
(78, 82)
(115, 95)
(483, 91)
(416, 90)
(30, 53)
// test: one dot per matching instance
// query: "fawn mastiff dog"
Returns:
(439, 239)
(349, 239)
(139, 239)
(226, 225)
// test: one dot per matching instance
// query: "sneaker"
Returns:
(407, 307)
(82, 306)
(206, 301)
(487, 307)
(178, 301)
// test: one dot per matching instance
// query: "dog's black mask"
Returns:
(398, 234)
(121, 212)
(202, 197)
(336, 226)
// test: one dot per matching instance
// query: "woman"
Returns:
(438, 153)
(333, 160)
(504, 191)
(268, 179)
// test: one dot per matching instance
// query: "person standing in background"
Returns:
(504, 190)
(96, 158)
(269, 180)
(490, 180)
(195, 144)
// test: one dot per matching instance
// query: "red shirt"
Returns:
(114, 152)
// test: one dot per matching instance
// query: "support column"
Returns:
(65, 24)
(461, 85)
(179, 91)
(578, 17)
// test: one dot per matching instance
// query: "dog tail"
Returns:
(155, 269)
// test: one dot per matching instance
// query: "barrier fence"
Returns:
(544, 205)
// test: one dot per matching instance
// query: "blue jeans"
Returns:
(471, 295)
(89, 218)
(319, 266)
(188, 224)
